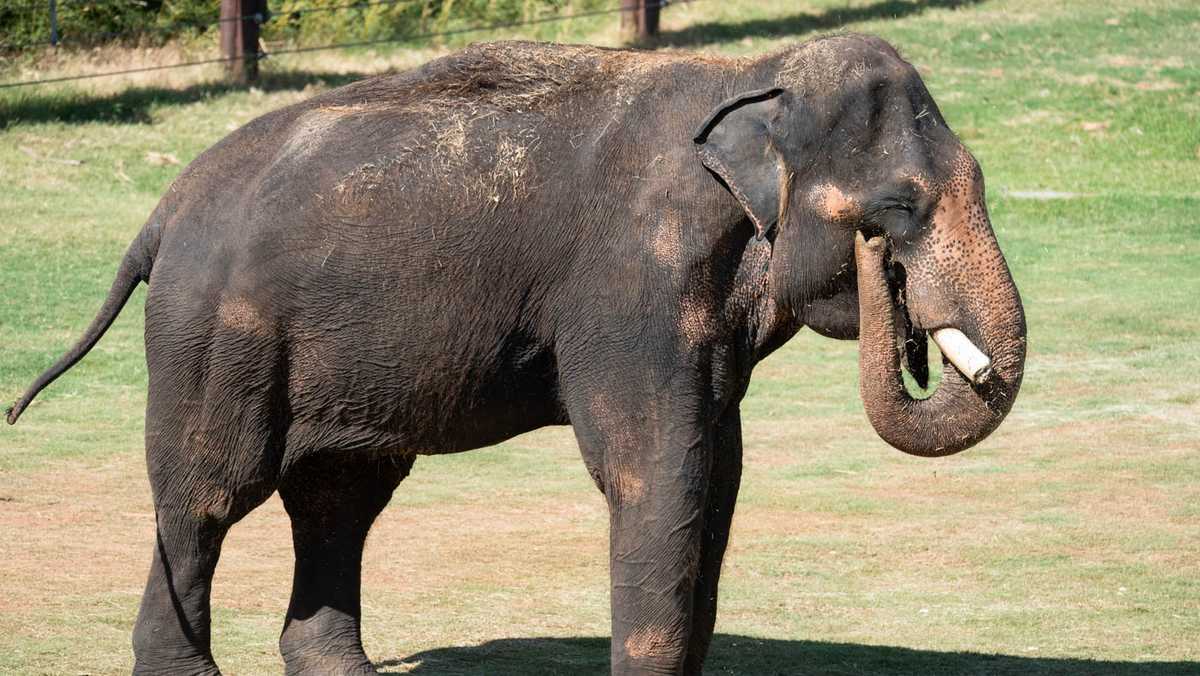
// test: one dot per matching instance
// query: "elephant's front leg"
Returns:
(724, 481)
(653, 456)
(657, 520)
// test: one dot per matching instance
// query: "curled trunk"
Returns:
(959, 414)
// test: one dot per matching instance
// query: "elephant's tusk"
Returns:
(975, 365)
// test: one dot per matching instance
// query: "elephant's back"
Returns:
(493, 141)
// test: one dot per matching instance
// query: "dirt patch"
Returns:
(666, 240)
(650, 642)
(308, 133)
(831, 203)
(1043, 194)
(1036, 117)
(697, 320)
(242, 316)
(630, 486)
(820, 66)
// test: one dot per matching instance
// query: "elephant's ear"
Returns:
(738, 142)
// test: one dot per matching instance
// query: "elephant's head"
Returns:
(840, 141)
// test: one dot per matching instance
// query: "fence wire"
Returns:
(168, 29)
(261, 19)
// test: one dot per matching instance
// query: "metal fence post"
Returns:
(648, 18)
(54, 22)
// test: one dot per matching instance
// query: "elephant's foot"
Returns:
(326, 643)
(343, 664)
(175, 665)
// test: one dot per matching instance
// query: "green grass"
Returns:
(1066, 543)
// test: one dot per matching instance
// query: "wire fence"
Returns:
(174, 27)
(262, 18)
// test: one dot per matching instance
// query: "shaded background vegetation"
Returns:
(140, 22)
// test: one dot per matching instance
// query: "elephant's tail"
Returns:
(135, 268)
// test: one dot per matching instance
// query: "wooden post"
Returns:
(240, 21)
(629, 15)
(641, 17)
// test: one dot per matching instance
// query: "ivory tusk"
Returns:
(961, 352)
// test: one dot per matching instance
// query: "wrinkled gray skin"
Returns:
(521, 235)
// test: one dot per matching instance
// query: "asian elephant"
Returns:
(519, 235)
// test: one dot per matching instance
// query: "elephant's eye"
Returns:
(894, 220)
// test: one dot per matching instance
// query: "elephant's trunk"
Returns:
(960, 413)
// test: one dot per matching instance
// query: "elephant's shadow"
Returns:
(745, 655)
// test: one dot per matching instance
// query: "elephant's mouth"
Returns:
(970, 399)
(912, 341)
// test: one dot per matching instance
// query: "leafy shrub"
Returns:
(401, 19)
(83, 23)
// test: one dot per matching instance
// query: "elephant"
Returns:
(525, 234)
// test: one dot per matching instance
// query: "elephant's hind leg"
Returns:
(213, 447)
(332, 499)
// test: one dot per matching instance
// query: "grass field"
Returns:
(1067, 543)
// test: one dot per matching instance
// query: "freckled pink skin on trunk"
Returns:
(958, 415)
